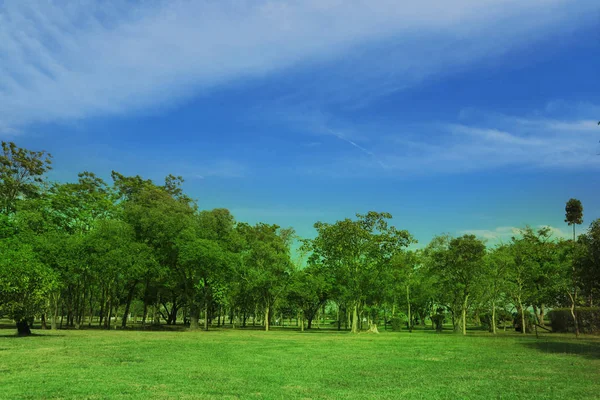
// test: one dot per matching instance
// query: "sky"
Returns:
(470, 116)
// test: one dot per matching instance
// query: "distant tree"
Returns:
(574, 216)
(358, 252)
(25, 283)
(498, 266)
(587, 263)
(465, 266)
(21, 173)
(403, 279)
(265, 263)
(206, 253)
(309, 290)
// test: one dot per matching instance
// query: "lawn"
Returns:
(94, 364)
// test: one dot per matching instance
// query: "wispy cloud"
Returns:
(478, 141)
(66, 60)
(503, 234)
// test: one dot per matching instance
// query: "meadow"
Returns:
(236, 364)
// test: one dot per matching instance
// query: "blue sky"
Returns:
(464, 116)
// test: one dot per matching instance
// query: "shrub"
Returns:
(397, 324)
(438, 319)
(588, 319)
(528, 322)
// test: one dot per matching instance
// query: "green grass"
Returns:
(93, 364)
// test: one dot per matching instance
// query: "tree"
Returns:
(498, 266)
(457, 265)
(158, 219)
(574, 216)
(21, 173)
(206, 250)
(309, 290)
(402, 279)
(265, 263)
(465, 267)
(24, 283)
(587, 263)
(358, 252)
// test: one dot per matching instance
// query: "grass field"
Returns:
(93, 364)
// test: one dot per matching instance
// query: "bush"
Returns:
(438, 319)
(588, 319)
(528, 322)
(397, 324)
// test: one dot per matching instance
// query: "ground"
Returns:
(95, 364)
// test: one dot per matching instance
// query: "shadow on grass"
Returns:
(14, 335)
(581, 347)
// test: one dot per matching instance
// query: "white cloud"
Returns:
(503, 234)
(480, 141)
(66, 60)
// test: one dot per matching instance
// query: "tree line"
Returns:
(89, 252)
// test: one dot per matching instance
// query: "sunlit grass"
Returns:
(94, 364)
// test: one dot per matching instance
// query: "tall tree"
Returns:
(498, 266)
(465, 267)
(25, 283)
(21, 173)
(574, 216)
(206, 251)
(359, 251)
(265, 263)
(587, 261)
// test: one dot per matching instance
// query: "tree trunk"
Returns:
(494, 317)
(54, 317)
(128, 305)
(355, 318)
(267, 317)
(464, 316)
(573, 314)
(523, 326)
(205, 315)
(408, 302)
(541, 318)
(194, 315)
(23, 328)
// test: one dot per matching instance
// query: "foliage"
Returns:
(574, 212)
(524, 316)
(21, 173)
(24, 282)
(588, 319)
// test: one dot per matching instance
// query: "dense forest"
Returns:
(134, 252)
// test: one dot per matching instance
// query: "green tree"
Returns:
(21, 173)
(25, 283)
(403, 278)
(206, 251)
(265, 263)
(465, 267)
(499, 264)
(587, 263)
(358, 252)
(574, 216)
